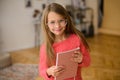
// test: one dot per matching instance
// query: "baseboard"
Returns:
(111, 32)
(16, 48)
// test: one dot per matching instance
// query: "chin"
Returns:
(58, 34)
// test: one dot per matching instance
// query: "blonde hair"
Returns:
(49, 36)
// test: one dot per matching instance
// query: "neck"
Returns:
(60, 38)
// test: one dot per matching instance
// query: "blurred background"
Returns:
(98, 20)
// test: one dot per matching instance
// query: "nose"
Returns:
(57, 24)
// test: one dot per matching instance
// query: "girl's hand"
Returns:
(77, 57)
(55, 71)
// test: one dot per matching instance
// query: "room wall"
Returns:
(16, 23)
(111, 19)
(94, 5)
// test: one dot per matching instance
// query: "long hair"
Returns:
(50, 37)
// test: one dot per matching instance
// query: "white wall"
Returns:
(16, 24)
(63, 2)
(16, 27)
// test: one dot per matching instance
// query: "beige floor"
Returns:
(27, 56)
(105, 57)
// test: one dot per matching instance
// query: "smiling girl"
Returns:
(60, 35)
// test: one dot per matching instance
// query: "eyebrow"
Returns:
(55, 20)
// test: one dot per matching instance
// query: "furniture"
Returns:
(5, 60)
(84, 20)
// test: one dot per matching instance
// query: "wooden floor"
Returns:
(26, 56)
(105, 56)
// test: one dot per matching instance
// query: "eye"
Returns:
(61, 21)
(52, 22)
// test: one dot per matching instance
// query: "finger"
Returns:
(58, 71)
(76, 55)
(59, 68)
(78, 59)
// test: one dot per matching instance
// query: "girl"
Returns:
(60, 35)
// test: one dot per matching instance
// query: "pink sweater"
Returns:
(70, 43)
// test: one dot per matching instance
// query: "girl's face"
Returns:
(56, 23)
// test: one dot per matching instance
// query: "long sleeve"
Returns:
(73, 41)
(86, 56)
(42, 64)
